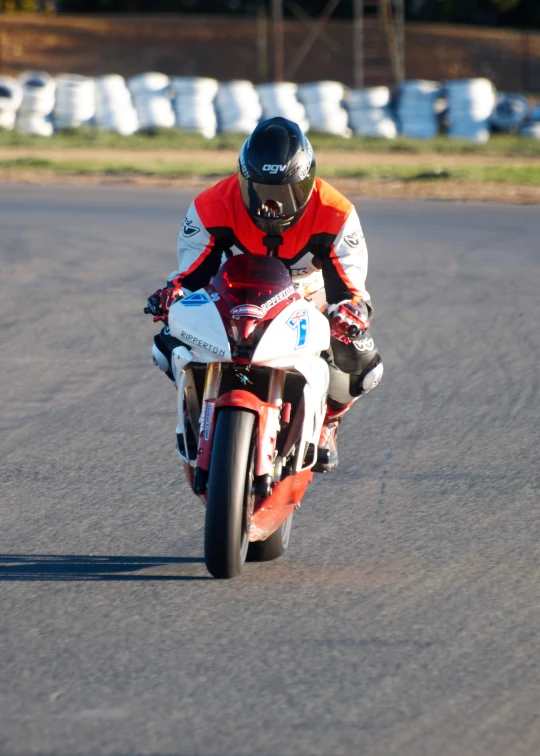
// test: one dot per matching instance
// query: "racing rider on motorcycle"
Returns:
(276, 202)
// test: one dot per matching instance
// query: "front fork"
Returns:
(267, 428)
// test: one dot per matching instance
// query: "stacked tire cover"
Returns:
(193, 99)
(369, 112)
(238, 107)
(75, 101)
(324, 109)
(280, 99)
(532, 127)
(114, 108)
(510, 112)
(11, 95)
(38, 97)
(470, 105)
(150, 93)
(416, 109)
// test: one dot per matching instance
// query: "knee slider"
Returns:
(368, 378)
(372, 378)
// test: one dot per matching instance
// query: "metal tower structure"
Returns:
(372, 20)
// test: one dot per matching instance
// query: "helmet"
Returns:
(276, 171)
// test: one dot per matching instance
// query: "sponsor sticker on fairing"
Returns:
(209, 407)
(188, 338)
(247, 311)
(273, 301)
(197, 299)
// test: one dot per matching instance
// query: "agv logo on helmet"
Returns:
(274, 168)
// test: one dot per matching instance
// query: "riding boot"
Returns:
(327, 453)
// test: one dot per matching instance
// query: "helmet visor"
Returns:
(277, 201)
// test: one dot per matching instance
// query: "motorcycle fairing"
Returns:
(195, 320)
(300, 328)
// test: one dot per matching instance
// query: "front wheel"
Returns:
(274, 546)
(229, 500)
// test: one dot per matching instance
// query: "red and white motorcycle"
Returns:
(251, 402)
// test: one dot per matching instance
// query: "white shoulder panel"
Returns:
(299, 330)
(196, 321)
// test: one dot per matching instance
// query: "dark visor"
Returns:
(283, 200)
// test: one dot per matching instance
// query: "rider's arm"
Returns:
(345, 268)
(198, 254)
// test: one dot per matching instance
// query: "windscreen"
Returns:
(254, 282)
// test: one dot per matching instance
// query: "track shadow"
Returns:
(62, 567)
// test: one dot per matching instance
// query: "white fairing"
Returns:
(300, 329)
(195, 320)
(292, 341)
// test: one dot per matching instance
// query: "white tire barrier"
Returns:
(38, 98)
(470, 105)
(75, 101)
(36, 125)
(11, 94)
(199, 87)
(193, 104)
(510, 112)
(280, 100)
(324, 110)
(369, 113)
(154, 111)
(39, 91)
(238, 108)
(151, 99)
(7, 119)
(368, 98)
(144, 83)
(416, 109)
(114, 107)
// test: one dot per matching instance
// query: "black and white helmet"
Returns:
(276, 171)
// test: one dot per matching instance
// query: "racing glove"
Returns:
(348, 319)
(159, 303)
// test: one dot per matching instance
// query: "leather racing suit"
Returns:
(324, 251)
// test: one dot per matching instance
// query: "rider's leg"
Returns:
(355, 369)
(162, 350)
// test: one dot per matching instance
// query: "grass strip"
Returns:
(522, 174)
(498, 145)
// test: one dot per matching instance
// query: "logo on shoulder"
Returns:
(189, 229)
(353, 240)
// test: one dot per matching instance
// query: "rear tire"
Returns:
(229, 497)
(274, 546)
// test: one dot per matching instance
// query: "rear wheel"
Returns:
(229, 500)
(274, 546)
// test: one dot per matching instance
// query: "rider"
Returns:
(275, 200)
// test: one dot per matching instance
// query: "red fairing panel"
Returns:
(272, 512)
(268, 425)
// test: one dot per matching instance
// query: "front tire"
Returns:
(274, 546)
(229, 499)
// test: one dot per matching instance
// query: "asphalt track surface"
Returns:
(405, 618)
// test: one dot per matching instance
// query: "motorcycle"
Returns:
(252, 392)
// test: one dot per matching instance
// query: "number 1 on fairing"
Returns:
(299, 322)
